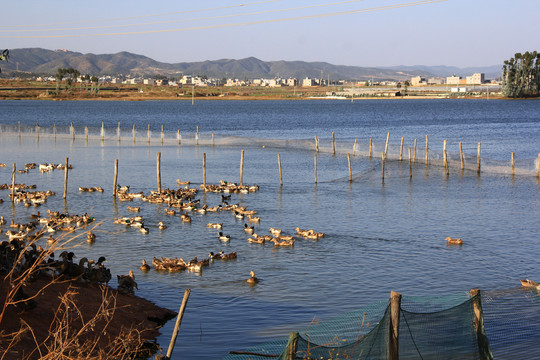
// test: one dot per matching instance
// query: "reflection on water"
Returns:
(379, 236)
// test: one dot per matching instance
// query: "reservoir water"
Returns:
(381, 235)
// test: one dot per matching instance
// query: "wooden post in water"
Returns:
(54, 131)
(162, 135)
(316, 143)
(37, 131)
(383, 161)
(333, 144)
(197, 135)
(410, 164)
(118, 132)
(158, 164)
(65, 177)
(179, 137)
(370, 147)
(483, 342)
(241, 167)
(133, 133)
(414, 154)
(13, 184)
(513, 164)
(178, 323)
(213, 142)
(427, 150)
(85, 133)
(315, 161)
(204, 169)
(115, 180)
(461, 159)
(478, 158)
(148, 133)
(445, 158)
(280, 174)
(350, 170)
(19, 129)
(72, 129)
(386, 146)
(538, 167)
(292, 346)
(401, 150)
(354, 147)
(393, 336)
(102, 131)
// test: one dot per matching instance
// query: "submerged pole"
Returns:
(383, 160)
(280, 174)
(315, 168)
(241, 167)
(410, 164)
(102, 131)
(162, 135)
(513, 164)
(85, 133)
(386, 145)
(333, 143)
(158, 170)
(13, 184)
(118, 132)
(148, 133)
(115, 179)
(204, 169)
(427, 150)
(414, 154)
(401, 150)
(54, 131)
(478, 158)
(65, 177)
(178, 323)
(197, 135)
(461, 159)
(133, 133)
(179, 137)
(393, 336)
(370, 147)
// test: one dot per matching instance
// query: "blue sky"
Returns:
(367, 33)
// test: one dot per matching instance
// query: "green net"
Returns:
(441, 328)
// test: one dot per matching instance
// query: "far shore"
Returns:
(33, 90)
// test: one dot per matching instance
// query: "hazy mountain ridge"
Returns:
(42, 61)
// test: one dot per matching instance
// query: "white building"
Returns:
(476, 79)
(453, 80)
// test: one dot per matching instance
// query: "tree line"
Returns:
(521, 75)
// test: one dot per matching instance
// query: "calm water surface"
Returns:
(380, 236)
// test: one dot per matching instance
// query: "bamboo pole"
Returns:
(241, 167)
(393, 336)
(383, 161)
(280, 173)
(386, 145)
(133, 133)
(350, 170)
(478, 158)
(13, 184)
(54, 131)
(65, 177)
(178, 323)
(538, 166)
(37, 131)
(102, 131)
(158, 170)
(197, 135)
(213, 141)
(461, 159)
(370, 147)
(204, 169)
(118, 132)
(483, 342)
(354, 147)
(513, 164)
(162, 135)
(410, 164)
(316, 143)
(85, 133)
(148, 134)
(315, 161)
(401, 150)
(414, 154)
(427, 150)
(72, 129)
(333, 143)
(445, 158)
(179, 137)
(19, 129)
(292, 346)
(115, 179)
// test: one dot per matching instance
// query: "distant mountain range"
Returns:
(45, 62)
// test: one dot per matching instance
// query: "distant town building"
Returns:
(476, 79)
(418, 80)
(435, 81)
(149, 82)
(453, 80)
(309, 82)
(162, 82)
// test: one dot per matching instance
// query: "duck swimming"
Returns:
(224, 237)
(249, 229)
(144, 266)
(252, 280)
(454, 241)
(161, 226)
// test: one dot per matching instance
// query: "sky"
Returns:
(374, 33)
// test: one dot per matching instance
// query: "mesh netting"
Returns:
(429, 328)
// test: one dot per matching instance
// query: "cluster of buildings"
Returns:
(474, 79)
